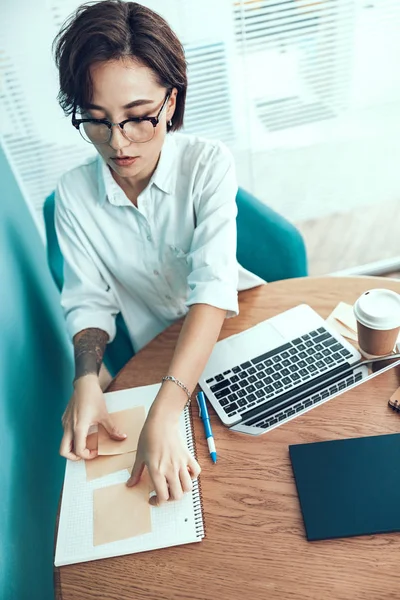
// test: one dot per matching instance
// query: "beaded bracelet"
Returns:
(181, 385)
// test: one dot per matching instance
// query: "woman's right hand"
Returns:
(87, 407)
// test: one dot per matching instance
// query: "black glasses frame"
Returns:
(153, 120)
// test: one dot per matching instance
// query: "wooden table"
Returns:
(255, 545)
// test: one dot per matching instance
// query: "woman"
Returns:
(146, 228)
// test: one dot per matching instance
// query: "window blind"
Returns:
(298, 89)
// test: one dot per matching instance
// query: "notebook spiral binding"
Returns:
(197, 494)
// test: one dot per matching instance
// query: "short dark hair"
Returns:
(111, 30)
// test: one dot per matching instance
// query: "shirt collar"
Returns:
(164, 177)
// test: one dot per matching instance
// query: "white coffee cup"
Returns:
(378, 321)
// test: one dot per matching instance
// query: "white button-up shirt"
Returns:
(151, 263)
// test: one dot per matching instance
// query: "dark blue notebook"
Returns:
(348, 487)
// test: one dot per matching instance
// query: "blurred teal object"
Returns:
(36, 383)
(268, 246)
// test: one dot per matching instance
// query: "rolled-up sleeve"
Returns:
(213, 277)
(86, 299)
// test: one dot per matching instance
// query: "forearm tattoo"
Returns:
(89, 347)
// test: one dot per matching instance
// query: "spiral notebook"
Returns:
(172, 523)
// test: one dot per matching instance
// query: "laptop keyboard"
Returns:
(278, 371)
(288, 407)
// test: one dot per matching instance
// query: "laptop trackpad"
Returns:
(262, 338)
(242, 347)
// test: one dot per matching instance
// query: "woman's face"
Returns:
(116, 84)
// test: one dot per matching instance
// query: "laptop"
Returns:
(269, 374)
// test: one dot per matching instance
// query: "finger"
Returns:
(161, 489)
(185, 480)
(66, 447)
(194, 467)
(112, 430)
(80, 444)
(137, 471)
(175, 487)
(91, 454)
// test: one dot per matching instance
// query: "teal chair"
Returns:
(268, 246)
(36, 383)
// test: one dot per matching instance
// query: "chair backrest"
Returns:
(36, 383)
(54, 256)
(267, 244)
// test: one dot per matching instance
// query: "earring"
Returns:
(170, 123)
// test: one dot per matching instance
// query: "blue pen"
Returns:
(203, 412)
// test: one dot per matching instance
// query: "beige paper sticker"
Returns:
(343, 321)
(120, 513)
(91, 441)
(104, 465)
(342, 329)
(128, 421)
(344, 313)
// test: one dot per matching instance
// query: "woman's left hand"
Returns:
(162, 450)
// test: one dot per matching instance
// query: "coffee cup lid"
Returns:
(378, 309)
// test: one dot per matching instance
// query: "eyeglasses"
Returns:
(135, 129)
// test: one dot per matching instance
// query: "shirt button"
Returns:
(156, 272)
(168, 297)
(149, 238)
(179, 312)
